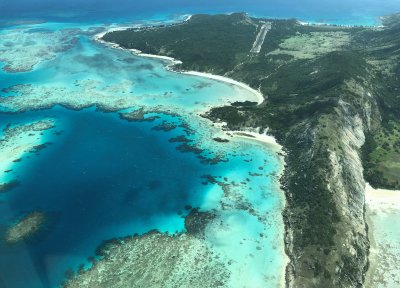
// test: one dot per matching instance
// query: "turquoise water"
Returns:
(102, 177)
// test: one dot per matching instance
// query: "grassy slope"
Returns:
(303, 98)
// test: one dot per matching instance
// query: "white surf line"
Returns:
(260, 38)
(98, 37)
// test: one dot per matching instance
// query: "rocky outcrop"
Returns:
(346, 183)
(343, 262)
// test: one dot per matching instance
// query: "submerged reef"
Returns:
(230, 243)
(15, 142)
(138, 115)
(33, 47)
(4, 187)
(157, 260)
(25, 228)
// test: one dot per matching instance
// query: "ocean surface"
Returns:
(101, 177)
(354, 12)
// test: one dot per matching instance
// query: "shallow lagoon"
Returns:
(103, 177)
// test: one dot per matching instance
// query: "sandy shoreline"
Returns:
(382, 214)
(264, 138)
(382, 198)
(172, 61)
(310, 23)
(258, 94)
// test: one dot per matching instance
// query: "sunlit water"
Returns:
(102, 177)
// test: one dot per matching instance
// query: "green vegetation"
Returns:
(317, 81)
(381, 152)
(234, 35)
(381, 155)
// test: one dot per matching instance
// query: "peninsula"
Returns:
(331, 100)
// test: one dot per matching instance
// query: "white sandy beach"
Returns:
(382, 215)
(382, 198)
(258, 94)
(268, 140)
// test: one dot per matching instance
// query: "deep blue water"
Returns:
(363, 12)
(100, 178)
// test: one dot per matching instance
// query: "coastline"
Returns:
(382, 198)
(382, 207)
(172, 62)
(349, 130)
(268, 140)
(352, 211)
(258, 94)
(322, 24)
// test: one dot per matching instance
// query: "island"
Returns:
(331, 99)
